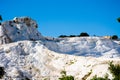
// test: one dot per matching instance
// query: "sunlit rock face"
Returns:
(20, 28)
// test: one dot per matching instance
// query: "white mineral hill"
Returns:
(26, 55)
(23, 28)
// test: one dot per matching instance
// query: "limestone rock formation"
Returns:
(20, 28)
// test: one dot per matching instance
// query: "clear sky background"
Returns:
(56, 17)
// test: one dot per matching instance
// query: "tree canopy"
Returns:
(118, 19)
(83, 34)
(114, 37)
(0, 18)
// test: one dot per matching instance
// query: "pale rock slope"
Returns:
(85, 46)
(31, 59)
(25, 54)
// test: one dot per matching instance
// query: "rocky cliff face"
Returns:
(22, 28)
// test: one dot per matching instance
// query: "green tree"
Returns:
(115, 70)
(62, 36)
(65, 77)
(2, 72)
(100, 78)
(84, 34)
(118, 19)
(0, 18)
(114, 37)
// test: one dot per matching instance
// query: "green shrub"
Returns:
(2, 72)
(72, 36)
(62, 36)
(99, 78)
(115, 70)
(65, 77)
(1, 18)
(118, 19)
(84, 34)
(114, 37)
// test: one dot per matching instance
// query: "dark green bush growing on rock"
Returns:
(72, 36)
(100, 78)
(0, 18)
(62, 36)
(2, 72)
(115, 70)
(84, 34)
(114, 37)
(118, 19)
(65, 77)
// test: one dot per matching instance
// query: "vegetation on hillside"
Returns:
(83, 34)
(0, 18)
(114, 37)
(115, 71)
(65, 76)
(2, 72)
(118, 19)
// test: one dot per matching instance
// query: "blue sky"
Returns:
(56, 17)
